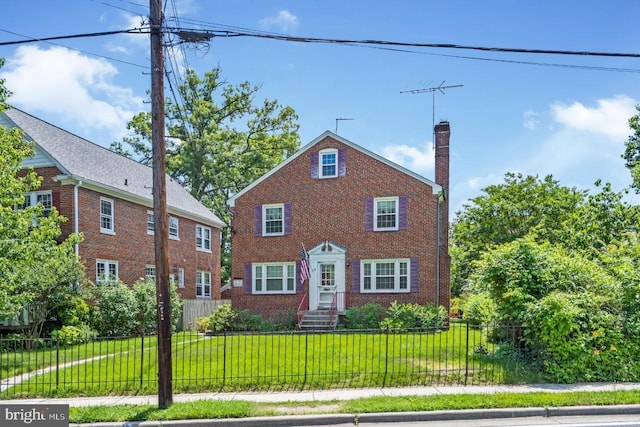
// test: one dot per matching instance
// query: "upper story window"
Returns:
(274, 278)
(203, 238)
(150, 222)
(386, 213)
(106, 272)
(150, 272)
(106, 216)
(328, 163)
(273, 220)
(43, 198)
(385, 276)
(173, 227)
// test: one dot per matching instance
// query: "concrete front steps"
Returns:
(318, 320)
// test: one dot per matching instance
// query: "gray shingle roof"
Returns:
(91, 163)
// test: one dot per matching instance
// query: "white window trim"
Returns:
(111, 230)
(146, 270)
(201, 229)
(375, 213)
(320, 169)
(181, 278)
(264, 219)
(177, 234)
(396, 282)
(153, 222)
(106, 263)
(285, 269)
(201, 274)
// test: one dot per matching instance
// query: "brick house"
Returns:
(108, 198)
(373, 231)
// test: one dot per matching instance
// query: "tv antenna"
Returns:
(433, 90)
(339, 119)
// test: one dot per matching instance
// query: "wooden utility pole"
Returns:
(160, 217)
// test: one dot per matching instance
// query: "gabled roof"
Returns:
(436, 188)
(94, 166)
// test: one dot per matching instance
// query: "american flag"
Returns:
(305, 273)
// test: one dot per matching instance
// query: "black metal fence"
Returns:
(459, 354)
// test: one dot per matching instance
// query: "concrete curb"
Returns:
(386, 417)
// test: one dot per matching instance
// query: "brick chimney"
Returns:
(442, 133)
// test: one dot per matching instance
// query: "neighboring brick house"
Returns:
(108, 198)
(371, 229)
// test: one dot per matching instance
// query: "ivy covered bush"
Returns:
(368, 316)
(413, 316)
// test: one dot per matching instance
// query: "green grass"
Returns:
(212, 409)
(272, 362)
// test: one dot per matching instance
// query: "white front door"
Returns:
(327, 263)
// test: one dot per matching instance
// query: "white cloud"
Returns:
(610, 118)
(531, 119)
(75, 89)
(284, 20)
(416, 159)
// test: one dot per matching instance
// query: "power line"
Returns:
(227, 33)
(77, 36)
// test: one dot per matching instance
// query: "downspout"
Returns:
(75, 215)
(438, 243)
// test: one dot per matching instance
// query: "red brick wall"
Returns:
(334, 209)
(131, 246)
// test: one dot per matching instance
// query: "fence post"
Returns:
(386, 357)
(466, 357)
(224, 358)
(57, 361)
(141, 358)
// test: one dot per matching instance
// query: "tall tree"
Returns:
(632, 152)
(36, 270)
(520, 206)
(218, 141)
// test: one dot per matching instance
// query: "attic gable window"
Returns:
(329, 163)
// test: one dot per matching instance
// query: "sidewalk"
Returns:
(355, 419)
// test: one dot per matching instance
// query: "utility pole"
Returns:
(160, 217)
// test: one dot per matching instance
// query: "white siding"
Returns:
(39, 160)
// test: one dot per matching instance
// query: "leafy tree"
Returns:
(520, 206)
(632, 151)
(36, 270)
(218, 141)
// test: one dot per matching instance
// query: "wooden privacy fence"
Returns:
(193, 309)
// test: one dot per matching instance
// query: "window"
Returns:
(173, 228)
(328, 163)
(203, 284)
(150, 223)
(106, 272)
(385, 276)
(203, 238)
(274, 278)
(39, 197)
(150, 272)
(273, 217)
(386, 214)
(181, 277)
(106, 216)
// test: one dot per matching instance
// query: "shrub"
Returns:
(223, 318)
(480, 310)
(72, 335)
(368, 316)
(409, 316)
(203, 324)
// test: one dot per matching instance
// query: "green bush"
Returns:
(120, 310)
(203, 324)
(409, 316)
(72, 335)
(368, 316)
(480, 310)
(223, 319)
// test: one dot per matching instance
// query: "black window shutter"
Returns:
(314, 165)
(414, 275)
(355, 276)
(287, 218)
(247, 278)
(368, 214)
(342, 162)
(257, 220)
(402, 213)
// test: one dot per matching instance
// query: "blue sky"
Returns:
(554, 115)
